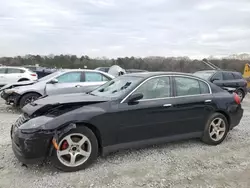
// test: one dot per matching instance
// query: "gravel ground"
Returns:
(180, 164)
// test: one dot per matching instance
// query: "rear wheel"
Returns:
(216, 129)
(77, 149)
(28, 98)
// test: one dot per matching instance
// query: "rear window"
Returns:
(237, 75)
(228, 76)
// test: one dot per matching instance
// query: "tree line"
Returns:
(178, 64)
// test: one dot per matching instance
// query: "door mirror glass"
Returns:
(53, 81)
(135, 97)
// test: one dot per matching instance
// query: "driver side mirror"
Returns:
(134, 97)
(53, 81)
(214, 79)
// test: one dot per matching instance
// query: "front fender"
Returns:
(80, 115)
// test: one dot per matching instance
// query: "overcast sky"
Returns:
(112, 28)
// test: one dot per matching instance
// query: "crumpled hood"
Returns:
(17, 84)
(49, 102)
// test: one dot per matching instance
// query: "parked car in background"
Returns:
(40, 71)
(103, 69)
(60, 82)
(10, 75)
(224, 78)
(133, 110)
(128, 71)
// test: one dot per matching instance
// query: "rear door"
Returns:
(3, 76)
(68, 82)
(93, 80)
(240, 81)
(13, 75)
(193, 103)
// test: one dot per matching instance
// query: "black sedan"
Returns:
(129, 111)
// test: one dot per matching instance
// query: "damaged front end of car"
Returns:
(10, 97)
(10, 93)
(35, 133)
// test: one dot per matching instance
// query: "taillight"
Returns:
(237, 98)
(33, 75)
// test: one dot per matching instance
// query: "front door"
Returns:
(217, 79)
(151, 117)
(229, 80)
(69, 82)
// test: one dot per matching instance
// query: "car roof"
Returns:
(221, 70)
(85, 70)
(209, 71)
(150, 74)
(23, 68)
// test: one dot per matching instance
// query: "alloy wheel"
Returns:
(217, 129)
(30, 99)
(74, 150)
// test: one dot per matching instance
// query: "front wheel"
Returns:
(28, 98)
(216, 129)
(77, 149)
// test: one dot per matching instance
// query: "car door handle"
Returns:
(208, 101)
(167, 105)
(78, 86)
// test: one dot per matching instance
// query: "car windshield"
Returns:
(117, 87)
(49, 76)
(204, 75)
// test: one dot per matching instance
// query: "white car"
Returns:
(10, 75)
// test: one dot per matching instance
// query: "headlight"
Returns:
(35, 124)
(9, 91)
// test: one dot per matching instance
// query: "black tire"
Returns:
(26, 97)
(206, 138)
(92, 157)
(240, 93)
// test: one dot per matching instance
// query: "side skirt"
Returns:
(144, 143)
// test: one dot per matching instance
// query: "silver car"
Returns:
(60, 82)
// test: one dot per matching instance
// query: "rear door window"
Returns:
(228, 76)
(237, 75)
(204, 88)
(189, 86)
(95, 77)
(14, 71)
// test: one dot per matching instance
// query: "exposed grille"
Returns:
(21, 120)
